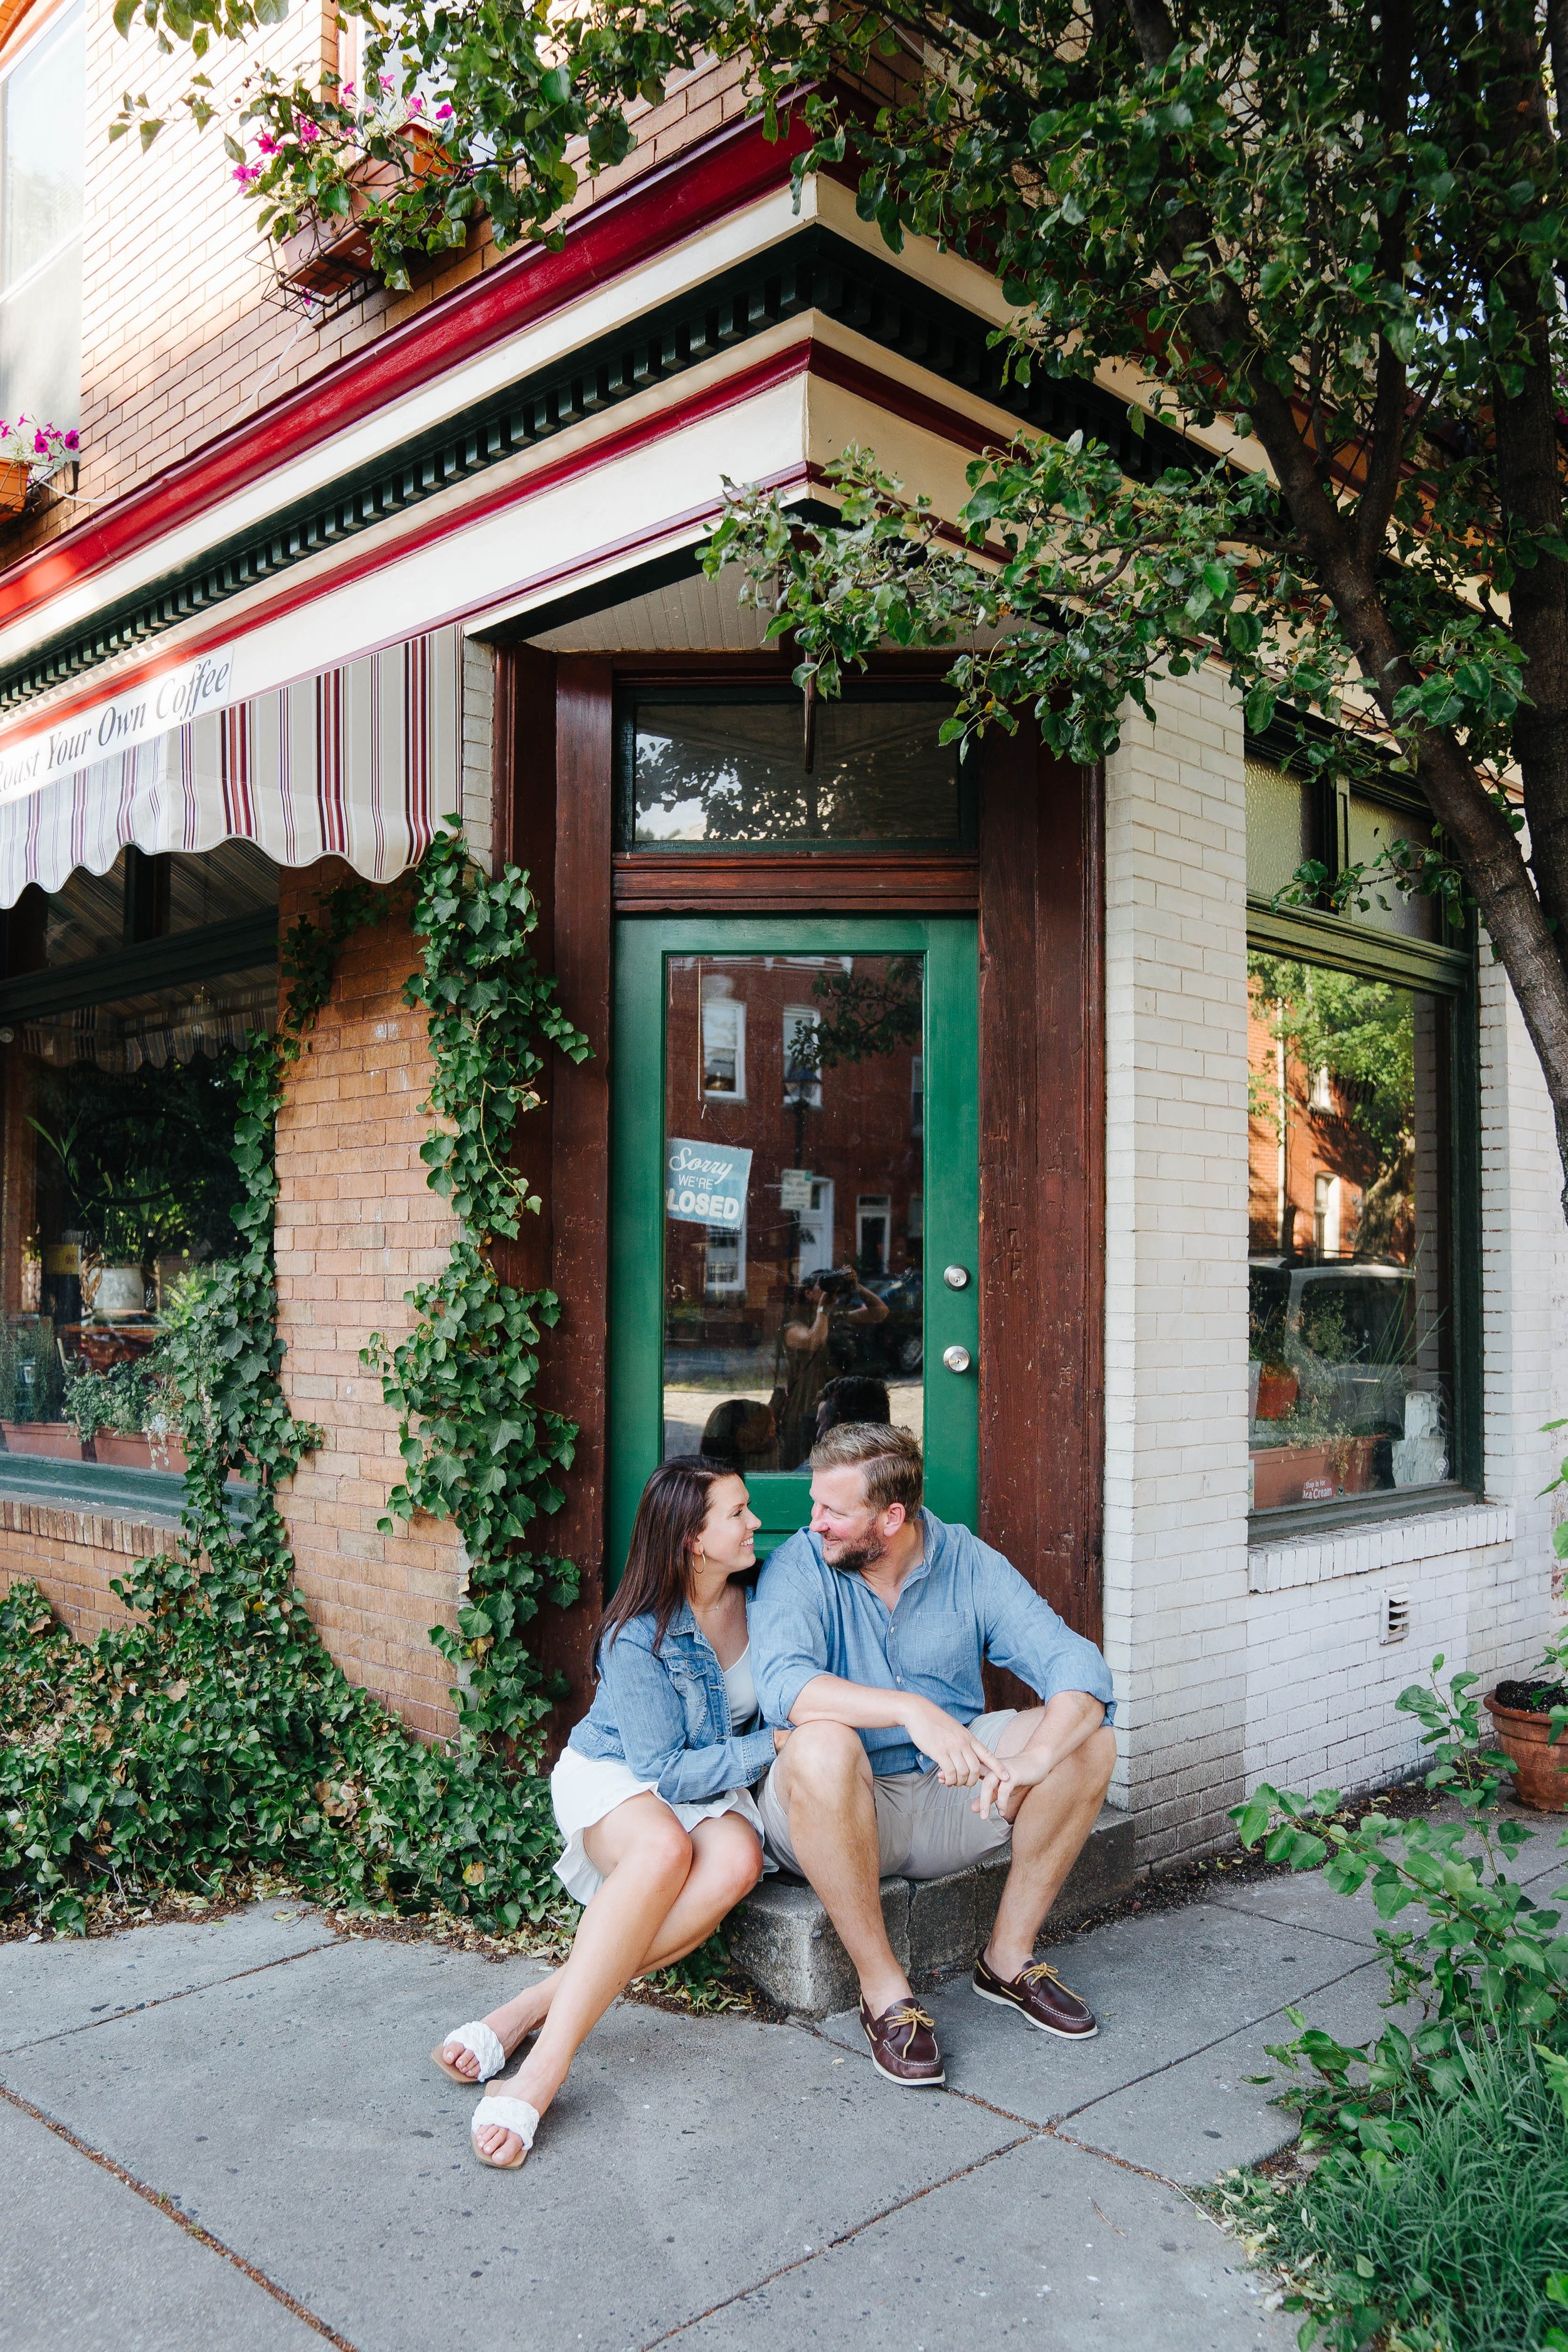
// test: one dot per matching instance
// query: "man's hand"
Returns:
(781, 1733)
(961, 1762)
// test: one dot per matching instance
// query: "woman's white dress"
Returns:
(584, 1788)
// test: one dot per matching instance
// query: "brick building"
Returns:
(1215, 1248)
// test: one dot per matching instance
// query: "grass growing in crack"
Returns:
(1460, 2242)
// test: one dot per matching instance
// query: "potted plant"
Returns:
(1277, 1389)
(29, 453)
(1530, 1715)
(31, 1386)
(108, 1411)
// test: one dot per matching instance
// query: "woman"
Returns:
(650, 1794)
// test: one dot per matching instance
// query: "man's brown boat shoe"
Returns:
(903, 2045)
(1040, 1997)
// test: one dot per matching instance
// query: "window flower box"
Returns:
(333, 250)
(1319, 1473)
(122, 1452)
(56, 1439)
(29, 453)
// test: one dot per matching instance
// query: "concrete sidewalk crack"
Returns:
(1297, 1927)
(845, 2238)
(162, 2001)
(171, 2212)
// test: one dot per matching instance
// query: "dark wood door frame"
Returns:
(1042, 1173)
(1037, 884)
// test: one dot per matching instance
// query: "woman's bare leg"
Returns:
(671, 1919)
(727, 1864)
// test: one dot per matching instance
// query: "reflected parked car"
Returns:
(1346, 1331)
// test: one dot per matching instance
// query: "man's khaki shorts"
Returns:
(923, 1830)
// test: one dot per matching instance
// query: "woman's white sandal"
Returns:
(480, 2042)
(513, 2115)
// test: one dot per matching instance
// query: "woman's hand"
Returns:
(781, 1734)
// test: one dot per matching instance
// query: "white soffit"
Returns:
(690, 616)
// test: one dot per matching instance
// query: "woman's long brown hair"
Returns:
(658, 1559)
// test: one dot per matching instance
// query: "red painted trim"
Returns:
(931, 415)
(805, 357)
(717, 176)
(711, 401)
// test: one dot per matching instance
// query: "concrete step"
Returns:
(782, 1938)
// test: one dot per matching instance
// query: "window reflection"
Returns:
(1350, 1327)
(794, 1199)
(741, 771)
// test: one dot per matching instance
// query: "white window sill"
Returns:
(1360, 1551)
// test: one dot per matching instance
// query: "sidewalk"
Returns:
(710, 2182)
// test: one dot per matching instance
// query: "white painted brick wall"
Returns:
(1175, 1488)
(1232, 1666)
(479, 751)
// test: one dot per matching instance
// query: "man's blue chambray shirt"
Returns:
(964, 1603)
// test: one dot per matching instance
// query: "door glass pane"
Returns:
(729, 770)
(793, 1200)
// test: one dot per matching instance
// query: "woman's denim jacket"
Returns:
(668, 1713)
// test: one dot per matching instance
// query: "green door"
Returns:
(796, 1197)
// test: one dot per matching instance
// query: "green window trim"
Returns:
(952, 1149)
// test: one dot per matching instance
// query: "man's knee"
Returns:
(1098, 1756)
(821, 1759)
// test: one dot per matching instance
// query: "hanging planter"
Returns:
(333, 251)
(31, 453)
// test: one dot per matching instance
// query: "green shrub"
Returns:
(1437, 2212)
(1457, 2237)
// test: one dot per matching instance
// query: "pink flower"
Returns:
(246, 173)
(265, 143)
(73, 440)
(415, 104)
(347, 90)
(41, 443)
(306, 130)
(443, 112)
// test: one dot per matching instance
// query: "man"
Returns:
(867, 1636)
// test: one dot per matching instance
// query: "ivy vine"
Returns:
(213, 1735)
(484, 1454)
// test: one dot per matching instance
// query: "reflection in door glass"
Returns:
(793, 1200)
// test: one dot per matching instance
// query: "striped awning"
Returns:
(358, 762)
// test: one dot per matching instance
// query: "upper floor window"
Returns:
(43, 153)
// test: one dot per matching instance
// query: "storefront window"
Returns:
(120, 1179)
(1350, 1378)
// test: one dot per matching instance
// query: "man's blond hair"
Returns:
(887, 1459)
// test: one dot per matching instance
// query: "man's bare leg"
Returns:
(823, 1779)
(1051, 1822)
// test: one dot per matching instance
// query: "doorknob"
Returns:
(956, 1358)
(956, 1277)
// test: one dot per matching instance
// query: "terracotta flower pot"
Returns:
(1277, 1392)
(123, 1453)
(1540, 1771)
(15, 479)
(55, 1438)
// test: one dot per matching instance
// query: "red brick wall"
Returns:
(72, 1555)
(357, 1227)
(183, 335)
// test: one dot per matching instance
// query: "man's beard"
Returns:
(857, 1556)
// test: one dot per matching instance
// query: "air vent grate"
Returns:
(1394, 1616)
